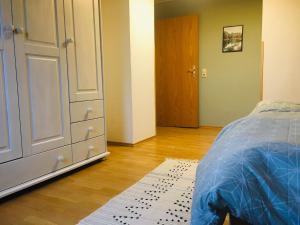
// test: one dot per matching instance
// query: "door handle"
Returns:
(193, 71)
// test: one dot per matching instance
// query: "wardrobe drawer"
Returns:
(82, 131)
(87, 149)
(22, 170)
(81, 111)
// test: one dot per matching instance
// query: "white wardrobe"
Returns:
(51, 98)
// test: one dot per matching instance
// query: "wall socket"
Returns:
(204, 73)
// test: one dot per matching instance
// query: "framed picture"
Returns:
(233, 38)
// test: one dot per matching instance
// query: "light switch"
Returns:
(204, 73)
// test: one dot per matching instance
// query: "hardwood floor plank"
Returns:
(69, 198)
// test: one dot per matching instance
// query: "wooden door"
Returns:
(177, 76)
(10, 138)
(84, 54)
(42, 74)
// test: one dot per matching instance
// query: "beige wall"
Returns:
(281, 36)
(232, 88)
(128, 39)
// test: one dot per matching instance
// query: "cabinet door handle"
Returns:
(19, 30)
(68, 41)
(9, 30)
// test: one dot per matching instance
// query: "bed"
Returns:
(252, 171)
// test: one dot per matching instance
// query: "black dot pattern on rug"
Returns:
(179, 207)
(180, 211)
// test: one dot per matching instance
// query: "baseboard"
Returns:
(145, 140)
(113, 143)
(211, 127)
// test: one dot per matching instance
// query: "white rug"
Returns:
(162, 197)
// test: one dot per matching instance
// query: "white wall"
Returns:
(142, 68)
(128, 46)
(117, 71)
(281, 36)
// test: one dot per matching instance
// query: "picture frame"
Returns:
(233, 39)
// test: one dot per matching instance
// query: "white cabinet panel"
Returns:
(87, 149)
(84, 53)
(50, 93)
(83, 131)
(35, 11)
(42, 76)
(10, 140)
(81, 111)
(84, 31)
(4, 142)
(29, 168)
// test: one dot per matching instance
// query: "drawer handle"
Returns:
(89, 110)
(91, 148)
(60, 158)
(90, 129)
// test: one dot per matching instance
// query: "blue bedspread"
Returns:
(252, 170)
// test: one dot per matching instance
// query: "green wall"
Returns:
(233, 86)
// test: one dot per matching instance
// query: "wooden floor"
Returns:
(70, 198)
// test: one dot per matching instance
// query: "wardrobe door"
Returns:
(42, 74)
(10, 140)
(83, 47)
